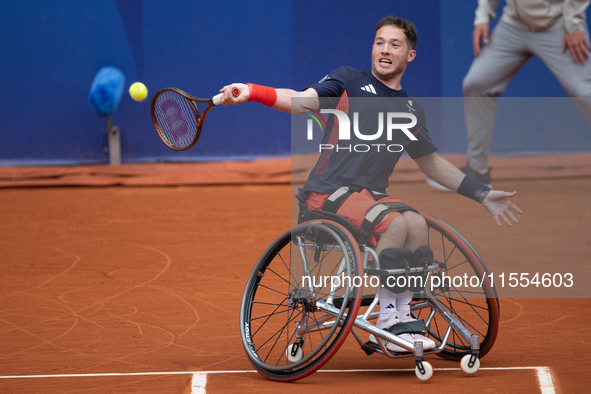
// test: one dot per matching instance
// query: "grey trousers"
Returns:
(490, 73)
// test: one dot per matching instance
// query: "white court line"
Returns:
(199, 379)
(545, 378)
(198, 383)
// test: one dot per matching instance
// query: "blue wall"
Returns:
(52, 49)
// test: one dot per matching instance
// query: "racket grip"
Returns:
(236, 88)
(217, 98)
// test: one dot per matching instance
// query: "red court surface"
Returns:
(137, 289)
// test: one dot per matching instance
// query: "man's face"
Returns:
(390, 53)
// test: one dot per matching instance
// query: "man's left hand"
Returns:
(577, 45)
(498, 204)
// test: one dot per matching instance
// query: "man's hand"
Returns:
(480, 34)
(498, 204)
(577, 45)
(229, 98)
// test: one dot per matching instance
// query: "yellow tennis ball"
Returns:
(138, 91)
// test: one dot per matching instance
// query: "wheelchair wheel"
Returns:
(476, 307)
(289, 324)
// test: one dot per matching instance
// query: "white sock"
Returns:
(388, 304)
(403, 302)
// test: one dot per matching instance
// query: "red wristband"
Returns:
(262, 94)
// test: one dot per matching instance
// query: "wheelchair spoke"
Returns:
(462, 320)
(319, 330)
(278, 334)
(269, 316)
(295, 282)
(457, 265)
(465, 302)
(460, 292)
(268, 288)
(310, 336)
(470, 304)
(266, 303)
(279, 276)
(466, 323)
(274, 313)
(456, 337)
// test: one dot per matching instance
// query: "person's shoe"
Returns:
(481, 177)
(393, 319)
(428, 343)
(484, 178)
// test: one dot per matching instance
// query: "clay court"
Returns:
(129, 279)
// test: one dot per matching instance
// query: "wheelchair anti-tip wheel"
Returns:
(427, 372)
(289, 325)
(465, 364)
(294, 353)
(476, 305)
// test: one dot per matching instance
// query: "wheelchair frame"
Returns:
(464, 338)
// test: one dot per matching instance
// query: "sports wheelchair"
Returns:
(295, 315)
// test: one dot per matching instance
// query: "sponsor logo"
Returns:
(369, 88)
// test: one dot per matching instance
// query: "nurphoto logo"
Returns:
(390, 119)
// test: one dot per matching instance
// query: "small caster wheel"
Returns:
(428, 372)
(466, 368)
(299, 354)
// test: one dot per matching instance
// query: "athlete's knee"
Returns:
(414, 221)
(397, 227)
(395, 234)
(415, 224)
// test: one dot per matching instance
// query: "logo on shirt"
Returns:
(369, 88)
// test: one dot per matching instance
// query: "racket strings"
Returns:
(176, 119)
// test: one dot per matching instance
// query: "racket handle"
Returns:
(217, 98)
(241, 88)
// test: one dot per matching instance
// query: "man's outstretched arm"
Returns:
(495, 201)
(279, 99)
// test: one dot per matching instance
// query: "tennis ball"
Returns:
(138, 91)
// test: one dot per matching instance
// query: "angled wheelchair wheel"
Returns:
(476, 305)
(301, 300)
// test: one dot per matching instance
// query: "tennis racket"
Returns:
(177, 119)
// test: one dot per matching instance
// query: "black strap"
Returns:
(473, 189)
(304, 211)
(411, 327)
(377, 195)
